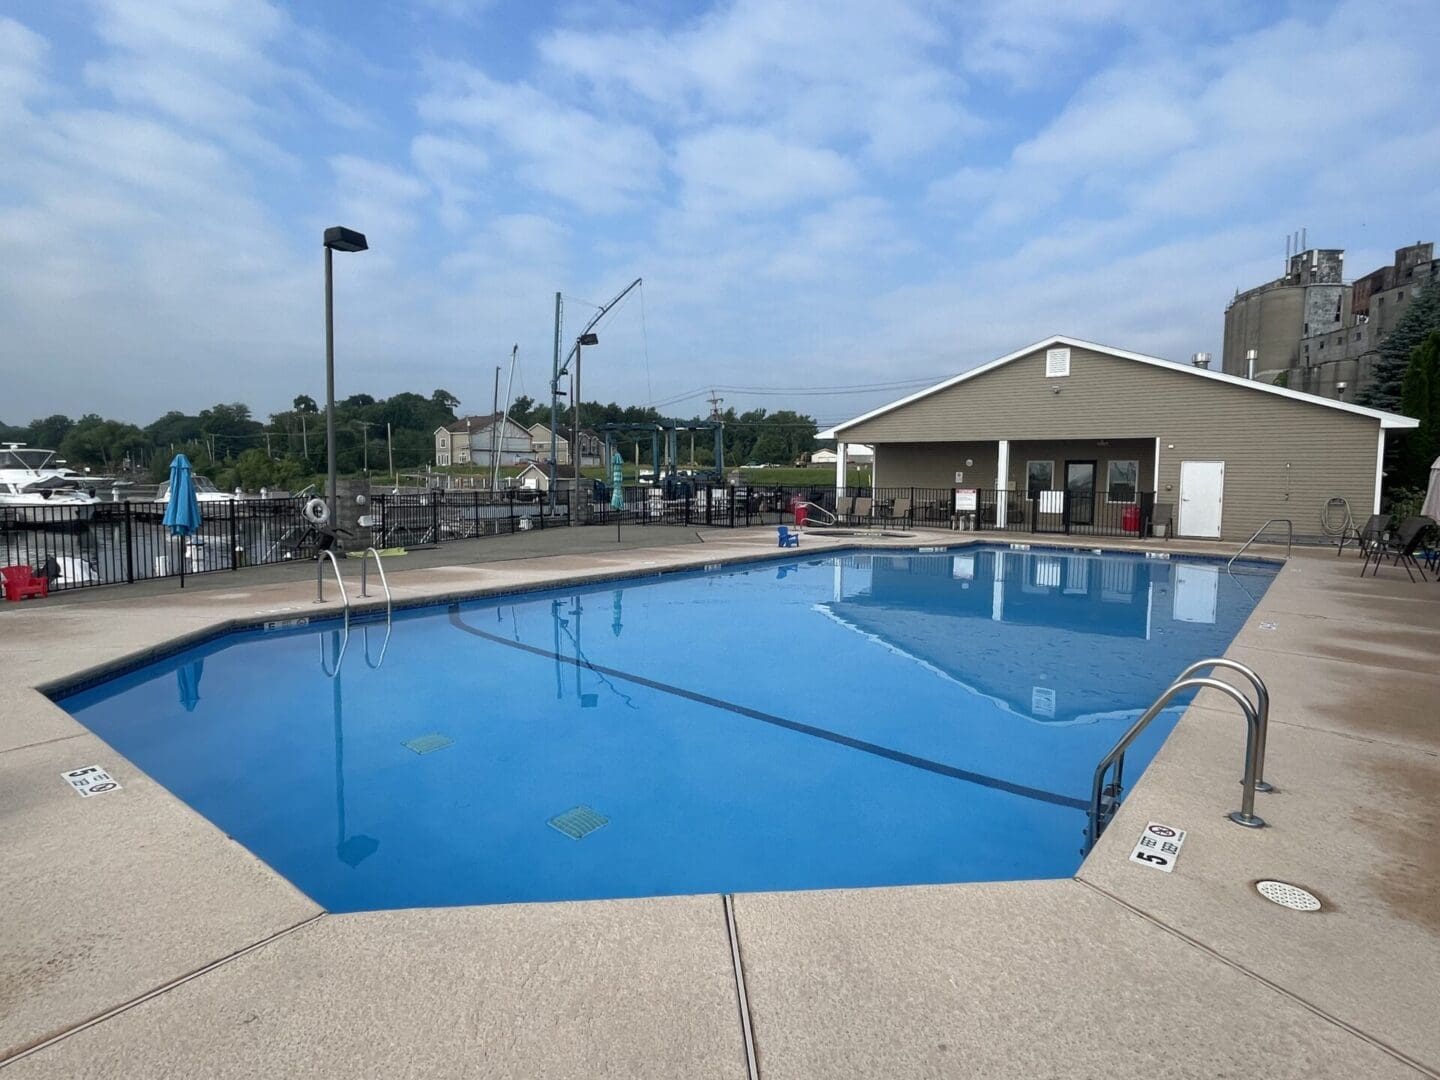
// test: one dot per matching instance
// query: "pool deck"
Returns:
(136, 939)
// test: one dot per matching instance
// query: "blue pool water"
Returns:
(850, 719)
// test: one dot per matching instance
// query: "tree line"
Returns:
(287, 451)
(1407, 380)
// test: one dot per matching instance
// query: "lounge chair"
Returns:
(1401, 547)
(787, 539)
(861, 511)
(843, 506)
(21, 582)
(900, 511)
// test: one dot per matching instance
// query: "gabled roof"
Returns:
(1387, 420)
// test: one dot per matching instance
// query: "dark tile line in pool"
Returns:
(898, 756)
(65, 686)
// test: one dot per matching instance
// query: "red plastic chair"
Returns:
(21, 582)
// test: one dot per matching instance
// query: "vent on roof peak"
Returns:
(1057, 363)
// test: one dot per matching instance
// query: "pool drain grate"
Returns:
(1287, 895)
(578, 822)
(424, 744)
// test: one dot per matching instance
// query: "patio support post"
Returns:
(841, 465)
(1002, 479)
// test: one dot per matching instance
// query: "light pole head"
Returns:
(589, 339)
(339, 238)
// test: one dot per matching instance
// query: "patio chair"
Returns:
(1366, 536)
(21, 583)
(1401, 547)
(900, 511)
(1163, 514)
(787, 539)
(843, 505)
(861, 511)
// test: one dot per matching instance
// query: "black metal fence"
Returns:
(434, 517)
(119, 542)
(111, 543)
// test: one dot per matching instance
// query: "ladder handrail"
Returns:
(1244, 816)
(320, 583)
(834, 520)
(1262, 706)
(374, 665)
(339, 655)
(364, 564)
(1289, 538)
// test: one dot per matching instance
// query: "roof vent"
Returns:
(1201, 360)
(1057, 363)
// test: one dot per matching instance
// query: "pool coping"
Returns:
(1214, 850)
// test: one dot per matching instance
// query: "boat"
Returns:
(36, 490)
(206, 493)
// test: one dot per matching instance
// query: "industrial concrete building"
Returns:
(1310, 330)
(1066, 423)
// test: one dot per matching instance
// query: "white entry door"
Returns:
(1202, 491)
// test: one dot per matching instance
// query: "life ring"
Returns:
(316, 512)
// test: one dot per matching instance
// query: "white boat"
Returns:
(35, 490)
(205, 492)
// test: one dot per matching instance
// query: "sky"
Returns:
(819, 197)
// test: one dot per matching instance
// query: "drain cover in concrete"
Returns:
(578, 822)
(1287, 895)
(426, 743)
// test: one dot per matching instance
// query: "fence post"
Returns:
(129, 547)
(1065, 510)
(687, 504)
(234, 537)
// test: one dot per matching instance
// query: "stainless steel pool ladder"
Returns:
(364, 563)
(1289, 538)
(1105, 797)
(320, 583)
(816, 506)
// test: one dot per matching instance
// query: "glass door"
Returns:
(1080, 490)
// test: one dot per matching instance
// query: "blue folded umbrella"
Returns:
(182, 513)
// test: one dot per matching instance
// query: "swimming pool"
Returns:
(850, 719)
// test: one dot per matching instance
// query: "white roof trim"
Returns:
(1388, 420)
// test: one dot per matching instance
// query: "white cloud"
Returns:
(452, 166)
(563, 150)
(376, 195)
(727, 169)
(813, 72)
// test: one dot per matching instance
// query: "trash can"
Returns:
(800, 512)
(1130, 520)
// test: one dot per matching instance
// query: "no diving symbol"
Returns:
(1161, 830)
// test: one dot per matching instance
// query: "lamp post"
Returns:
(575, 450)
(337, 238)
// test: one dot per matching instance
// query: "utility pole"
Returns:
(390, 450)
(495, 424)
(366, 425)
(715, 403)
(268, 454)
(304, 439)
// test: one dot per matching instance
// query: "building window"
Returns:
(1039, 476)
(443, 459)
(1400, 296)
(1121, 481)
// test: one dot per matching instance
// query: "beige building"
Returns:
(1066, 434)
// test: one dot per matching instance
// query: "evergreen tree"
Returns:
(1420, 320)
(1420, 398)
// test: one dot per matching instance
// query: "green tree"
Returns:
(1420, 398)
(95, 441)
(445, 400)
(304, 403)
(1421, 319)
(174, 429)
(49, 432)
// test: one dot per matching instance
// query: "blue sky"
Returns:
(817, 195)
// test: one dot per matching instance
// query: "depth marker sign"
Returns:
(1158, 846)
(91, 780)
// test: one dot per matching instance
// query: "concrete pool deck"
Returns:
(138, 939)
